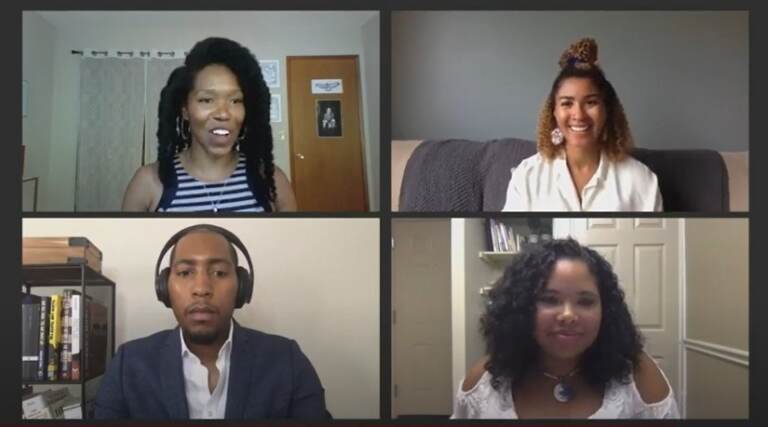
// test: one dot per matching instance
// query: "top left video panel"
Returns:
(200, 111)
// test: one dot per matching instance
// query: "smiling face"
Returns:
(580, 111)
(203, 286)
(215, 109)
(568, 311)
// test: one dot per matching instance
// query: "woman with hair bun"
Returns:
(560, 343)
(214, 139)
(583, 143)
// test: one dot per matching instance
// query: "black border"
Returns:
(11, 177)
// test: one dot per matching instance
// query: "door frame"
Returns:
(291, 155)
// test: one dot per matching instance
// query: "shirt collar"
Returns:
(185, 351)
(561, 168)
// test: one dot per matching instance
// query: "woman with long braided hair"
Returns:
(214, 139)
(583, 142)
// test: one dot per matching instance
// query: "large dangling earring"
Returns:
(557, 137)
(180, 124)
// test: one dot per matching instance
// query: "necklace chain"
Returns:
(215, 203)
(560, 377)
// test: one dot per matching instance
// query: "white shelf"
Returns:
(499, 259)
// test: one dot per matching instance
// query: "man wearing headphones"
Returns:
(209, 366)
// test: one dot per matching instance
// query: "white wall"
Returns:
(269, 35)
(37, 70)
(310, 285)
(371, 112)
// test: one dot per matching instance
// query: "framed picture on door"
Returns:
(328, 118)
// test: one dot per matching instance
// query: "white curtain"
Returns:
(111, 130)
(158, 71)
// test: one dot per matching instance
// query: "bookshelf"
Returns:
(94, 287)
(476, 267)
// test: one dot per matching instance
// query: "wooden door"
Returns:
(325, 133)
(644, 255)
(421, 317)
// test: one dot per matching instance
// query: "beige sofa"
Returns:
(736, 163)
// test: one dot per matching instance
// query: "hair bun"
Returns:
(582, 54)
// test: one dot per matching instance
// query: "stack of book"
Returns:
(52, 404)
(52, 336)
(502, 237)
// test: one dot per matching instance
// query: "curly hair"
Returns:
(257, 133)
(580, 61)
(509, 320)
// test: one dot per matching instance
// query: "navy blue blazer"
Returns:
(269, 377)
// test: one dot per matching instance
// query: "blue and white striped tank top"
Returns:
(192, 195)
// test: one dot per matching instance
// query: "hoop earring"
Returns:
(241, 138)
(180, 128)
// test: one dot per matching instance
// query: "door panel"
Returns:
(421, 327)
(326, 146)
(644, 255)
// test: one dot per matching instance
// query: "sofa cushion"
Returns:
(689, 180)
(460, 175)
(470, 176)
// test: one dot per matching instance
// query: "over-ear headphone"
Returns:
(244, 277)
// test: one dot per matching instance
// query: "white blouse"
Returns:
(539, 184)
(619, 401)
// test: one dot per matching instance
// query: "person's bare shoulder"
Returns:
(285, 199)
(650, 381)
(474, 374)
(144, 190)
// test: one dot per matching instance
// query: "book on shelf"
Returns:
(30, 334)
(54, 338)
(74, 365)
(94, 354)
(48, 404)
(45, 314)
(73, 411)
(66, 335)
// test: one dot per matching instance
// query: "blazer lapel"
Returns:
(172, 377)
(241, 364)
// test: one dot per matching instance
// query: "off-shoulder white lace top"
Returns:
(619, 401)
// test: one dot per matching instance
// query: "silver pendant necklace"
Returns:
(215, 202)
(563, 392)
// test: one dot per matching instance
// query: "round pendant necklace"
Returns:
(563, 392)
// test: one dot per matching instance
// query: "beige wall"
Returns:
(269, 35)
(37, 70)
(717, 316)
(316, 281)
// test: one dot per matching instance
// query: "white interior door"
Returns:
(644, 254)
(421, 317)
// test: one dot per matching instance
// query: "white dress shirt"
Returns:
(203, 404)
(539, 184)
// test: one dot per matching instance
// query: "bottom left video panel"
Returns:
(187, 318)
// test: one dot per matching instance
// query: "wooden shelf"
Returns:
(62, 275)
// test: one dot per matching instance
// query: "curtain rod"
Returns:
(129, 53)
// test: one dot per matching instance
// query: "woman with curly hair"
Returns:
(214, 139)
(583, 143)
(560, 342)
